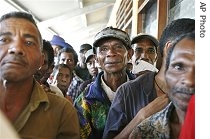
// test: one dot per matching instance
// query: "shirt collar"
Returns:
(111, 94)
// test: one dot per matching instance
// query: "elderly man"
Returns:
(113, 51)
(145, 53)
(180, 78)
(34, 113)
(128, 108)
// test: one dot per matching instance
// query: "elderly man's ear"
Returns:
(130, 54)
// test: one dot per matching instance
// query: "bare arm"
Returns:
(156, 105)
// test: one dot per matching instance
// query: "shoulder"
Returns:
(59, 103)
(137, 87)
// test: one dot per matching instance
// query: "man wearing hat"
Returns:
(113, 51)
(58, 43)
(90, 60)
(147, 94)
(81, 68)
(145, 53)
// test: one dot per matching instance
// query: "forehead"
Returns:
(63, 70)
(19, 24)
(185, 47)
(67, 54)
(109, 40)
(144, 42)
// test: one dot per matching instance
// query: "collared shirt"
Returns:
(130, 98)
(73, 90)
(157, 126)
(47, 116)
(93, 106)
(111, 94)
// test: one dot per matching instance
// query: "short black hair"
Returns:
(190, 35)
(174, 29)
(47, 47)
(22, 15)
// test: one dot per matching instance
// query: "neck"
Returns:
(180, 115)
(115, 80)
(176, 122)
(160, 83)
(14, 96)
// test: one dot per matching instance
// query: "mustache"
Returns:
(15, 58)
(183, 90)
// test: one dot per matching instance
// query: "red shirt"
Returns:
(188, 128)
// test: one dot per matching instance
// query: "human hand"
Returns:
(153, 107)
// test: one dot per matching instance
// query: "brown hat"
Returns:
(111, 32)
(144, 35)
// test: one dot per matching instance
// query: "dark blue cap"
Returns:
(57, 40)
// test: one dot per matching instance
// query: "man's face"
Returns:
(145, 50)
(20, 49)
(112, 55)
(68, 59)
(180, 76)
(91, 66)
(63, 78)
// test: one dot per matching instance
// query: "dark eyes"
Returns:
(104, 49)
(114, 47)
(68, 60)
(4, 40)
(178, 66)
(149, 50)
(29, 43)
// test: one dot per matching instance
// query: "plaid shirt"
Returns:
(73, 90)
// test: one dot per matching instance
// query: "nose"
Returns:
(63, 79)
(93, 65)
(65, 61)
(16, 49)
(189, 79)
(111, 52)
(144, 57)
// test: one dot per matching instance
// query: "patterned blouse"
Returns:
(156, 126)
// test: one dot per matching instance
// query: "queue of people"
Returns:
(48, 91)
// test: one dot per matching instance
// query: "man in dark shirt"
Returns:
(81, 68)
(128, 108)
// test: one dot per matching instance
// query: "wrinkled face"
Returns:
(145, 50)
(20, 49)
(112, 55)
(63, 78)
(68, 59)
(180, 76)
(91, 66)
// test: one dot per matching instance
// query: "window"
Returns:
(180, 9)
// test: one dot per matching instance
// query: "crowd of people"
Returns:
(49, 91)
